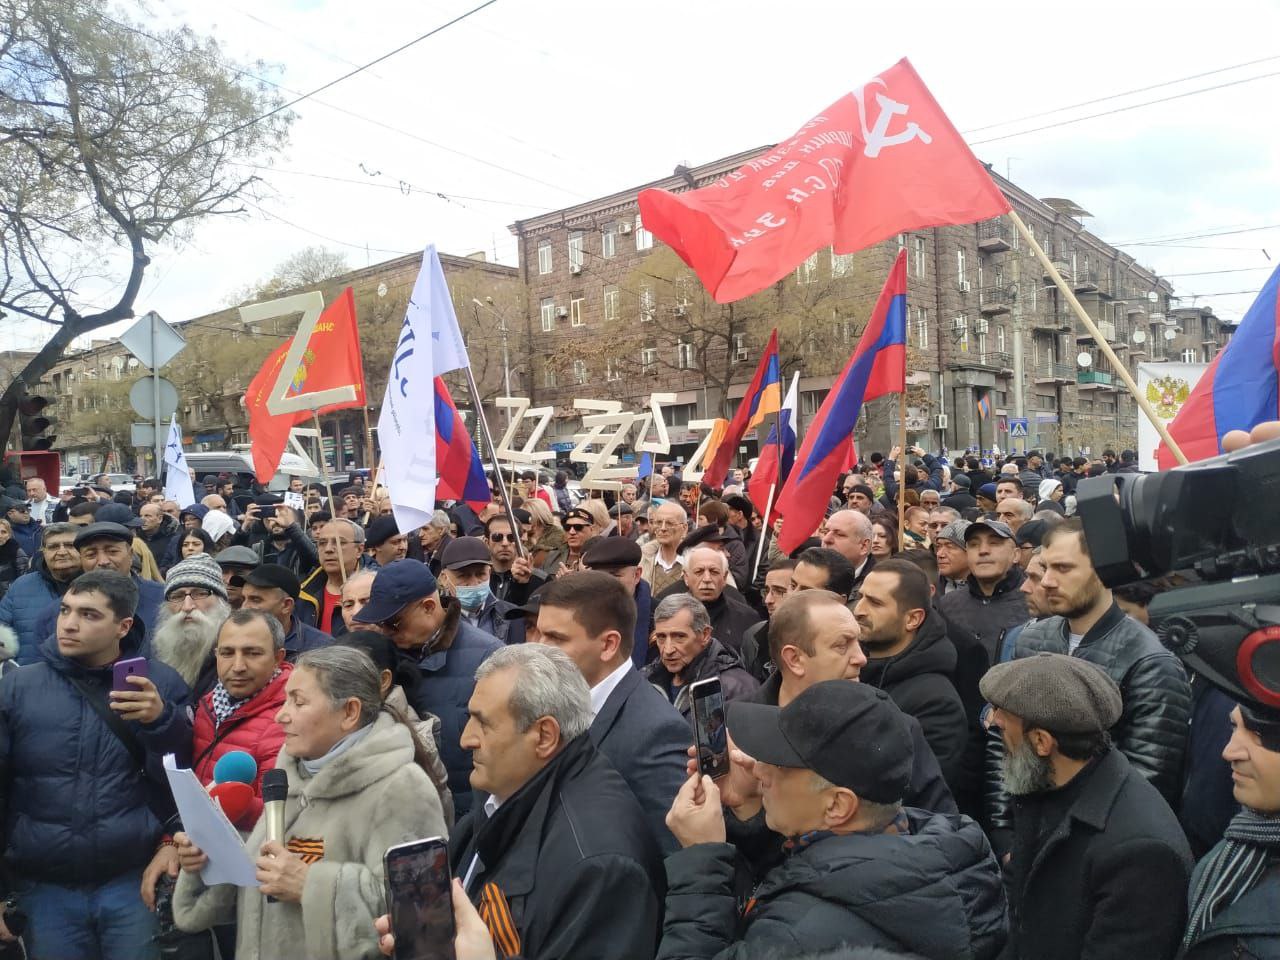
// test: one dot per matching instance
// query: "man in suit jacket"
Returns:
(591, 617)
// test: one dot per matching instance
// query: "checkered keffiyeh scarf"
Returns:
(224, 705)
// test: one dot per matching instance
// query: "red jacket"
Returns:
(252, 728)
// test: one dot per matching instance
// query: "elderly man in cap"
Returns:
(429, 630)
(991, 601)
(384, 543)
(275, 589)
(960, 498)
(620, 558)
(466, 566)
(1099, 863)
(579, 527)
(624, 517)
(26, 529)
(952, 556)
(832, 766)
(195, 605)
(236, 562)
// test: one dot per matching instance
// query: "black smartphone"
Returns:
(709, 729)
(419, 898)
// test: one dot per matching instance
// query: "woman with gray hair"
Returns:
(354, 790)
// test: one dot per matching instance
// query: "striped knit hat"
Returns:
(200, 571)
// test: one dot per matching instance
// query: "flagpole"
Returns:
(902, 462)
(1120, 369)
(328, 490)
(764, 527)
(493, 458)
(368, 437)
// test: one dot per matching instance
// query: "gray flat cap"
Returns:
(1054, 692)
(953, 531)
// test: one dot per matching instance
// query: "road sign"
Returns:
(563, 446)
(142, 398)
(1017, 427)
(168, 342)
(142, 435)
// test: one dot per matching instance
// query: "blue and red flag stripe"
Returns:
(1241, 388)
(459, 469)
(984, 406)
(877, 367)
(762, 399)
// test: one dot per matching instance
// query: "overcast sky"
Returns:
(527, 107)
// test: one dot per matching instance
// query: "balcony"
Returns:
(1045, 372)
(1093, 380)
(995, 236)
(1086, 281)
(987, 360)
(1064, 270)
(995, 300)
(1106, 327)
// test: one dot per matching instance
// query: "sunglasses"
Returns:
(502, 538)
(575, 527)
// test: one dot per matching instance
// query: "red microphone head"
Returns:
(236, 800)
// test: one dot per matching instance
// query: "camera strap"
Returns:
(117, 725)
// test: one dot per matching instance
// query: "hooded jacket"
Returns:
(716, 660)
(363, 801)
(80, 811)
(572, 856)
(935, 892)
(150, 597)
(987, 618)
(23, 604)
(295, 549)
(919, 681)
(174, 552)
(160, 541)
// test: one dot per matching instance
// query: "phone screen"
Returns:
(419, 898)
(709, 728)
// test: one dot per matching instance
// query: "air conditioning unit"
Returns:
(980, 326)
(681, 310)
(741, 354)
(575, 268)
(562, 312)
(940, 422)
(624, 228)
(965, 286)
(959, 323)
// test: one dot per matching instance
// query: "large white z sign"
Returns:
(311, 305)
(519, 407)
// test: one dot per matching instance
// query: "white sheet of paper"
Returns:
(208, 827)
(293, 500)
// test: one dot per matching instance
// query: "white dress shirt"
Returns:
(600, 692)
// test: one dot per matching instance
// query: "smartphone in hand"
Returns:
(420, 899)
(710, 733)
(123, 669)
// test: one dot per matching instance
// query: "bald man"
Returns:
(706, 576)
(849, 533)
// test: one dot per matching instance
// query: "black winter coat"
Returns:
(573, 857)
(716, 660)
(1103, 879)
(1247, 929)
(731, 615)
(1152, 729)
(161, 542)
(987, 618)
(934, 892)
(919, 681)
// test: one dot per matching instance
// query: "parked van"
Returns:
(239, 463)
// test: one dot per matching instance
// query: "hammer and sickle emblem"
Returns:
(878, 137)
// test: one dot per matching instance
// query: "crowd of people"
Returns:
(949, 740)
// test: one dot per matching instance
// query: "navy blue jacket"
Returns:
(647, 741)
(448, 678)
(150, 596)
(28, 536)
(23, 605)
(78, 809)
(303, 637)
(644, 611)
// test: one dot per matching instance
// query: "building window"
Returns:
(548, 313)
(902, 241)
(648, 308)
(841, 264)
(922, 328)
(807, 272)
(1000, 340)
(1190, 356)
(579, 371)
(648, 359)
(611, 370)
(548, 373)
(609, 241)
(611, 303)
(644, 239)
(919, 256)
(684, 355)
(575, 311)
(544, 257)
(739, 348)
(575, 251)
(961, 273)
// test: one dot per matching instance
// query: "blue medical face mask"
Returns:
(472, 598)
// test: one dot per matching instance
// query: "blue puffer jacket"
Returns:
(23, 605)
(150, 597)
(78, 809)
(448, 679)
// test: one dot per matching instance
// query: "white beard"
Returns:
(185, 644)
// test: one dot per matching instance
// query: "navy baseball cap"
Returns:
(396, 586)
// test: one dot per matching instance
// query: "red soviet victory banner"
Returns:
(879, 161)
(331, 360)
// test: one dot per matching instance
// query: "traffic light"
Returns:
(33, 423)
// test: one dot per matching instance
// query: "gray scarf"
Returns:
(1252, 842)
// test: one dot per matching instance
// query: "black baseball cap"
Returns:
(277, 576)
(396, 586)
(999, 528)
(851, 734)
(464, 552)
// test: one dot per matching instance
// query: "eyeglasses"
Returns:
(179, 597)
(575, 527)
(502, 537)
(59, 547)
(338, 544)
(663, 524)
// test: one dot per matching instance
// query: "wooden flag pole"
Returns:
(1092, 327)
(328, 490)
(902, 465)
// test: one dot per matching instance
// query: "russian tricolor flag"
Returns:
(768, 471)
(1241, 388)
(877, 367)
(459, 467)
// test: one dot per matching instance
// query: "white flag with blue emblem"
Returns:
(177, 476)
(430, 344)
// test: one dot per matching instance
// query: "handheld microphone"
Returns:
(235, 766)
(233, 778)
(275, 788)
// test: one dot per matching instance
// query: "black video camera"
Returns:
(1215, 526)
